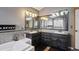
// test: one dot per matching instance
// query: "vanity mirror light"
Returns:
(31, 14)
(44, 18)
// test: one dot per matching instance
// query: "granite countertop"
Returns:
(55, 31)
(32, 32)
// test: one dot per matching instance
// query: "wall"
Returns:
(9, 15)
(12, 15)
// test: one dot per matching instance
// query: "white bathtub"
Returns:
(21, 45)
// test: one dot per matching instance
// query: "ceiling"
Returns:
(38, 8)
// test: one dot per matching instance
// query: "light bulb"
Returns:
(57, 14)
(33, 15)
(62, 13)
(30, 14)
(53, 15)
(27, 12)
(66, 12)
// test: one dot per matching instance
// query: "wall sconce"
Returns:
(28, 13)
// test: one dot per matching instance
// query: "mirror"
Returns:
(31, 23)
(60, 23)
(55, 21)
(46, 24)
(35, 24)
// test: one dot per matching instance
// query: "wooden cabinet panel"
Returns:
(50, 39)
(56, 40)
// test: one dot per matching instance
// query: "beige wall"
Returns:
(12, 15)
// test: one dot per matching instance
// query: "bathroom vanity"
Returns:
(56, 40)
(60, 41)
(52, 31)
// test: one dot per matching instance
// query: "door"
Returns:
(77, 28)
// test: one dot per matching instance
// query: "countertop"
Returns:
(35, 31)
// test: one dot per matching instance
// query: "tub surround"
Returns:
(20, 45)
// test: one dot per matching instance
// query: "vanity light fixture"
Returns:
(60, 13)
(33, 15)
(44, 18)
(28, 13)
(64, 12)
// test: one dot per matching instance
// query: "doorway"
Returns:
(76, 28)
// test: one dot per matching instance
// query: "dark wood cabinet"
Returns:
(35, 38)
(50, 39)
(56, 40)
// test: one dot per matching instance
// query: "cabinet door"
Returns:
(28, 36)
(35, 41)
(54, 41)
(61, 43)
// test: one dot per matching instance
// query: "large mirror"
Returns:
(31, 23)
(55, 21)
(46, 22)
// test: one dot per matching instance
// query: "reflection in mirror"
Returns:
(29, 21)
(46, 23)
(58, 23)
(35, 23)
(49, 23)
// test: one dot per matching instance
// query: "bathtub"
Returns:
(20, 45)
